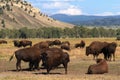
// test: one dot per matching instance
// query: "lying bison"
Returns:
(3, 42)
(109, 50)
(65, 47)
(99, 68)
(81, 44)
(53, 57)
(31, 55)
(95, 48)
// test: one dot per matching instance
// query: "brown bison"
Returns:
(16, 43)
(56, 42)
(100, 68)
(109, 50)
(81, 44)
(66, 43)
(65, 47)
(31, 55)
(23, 43)
(3, 42)
(95, 48)
(41, 45)
(53, 57)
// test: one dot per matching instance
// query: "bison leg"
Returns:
(37, 65)
(113, 56)
(18, 65)
(65, 66)
(30, 65)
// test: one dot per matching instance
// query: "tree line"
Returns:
(53, 32)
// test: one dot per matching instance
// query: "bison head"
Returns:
(88, 50)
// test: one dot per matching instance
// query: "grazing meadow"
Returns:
(77, 67)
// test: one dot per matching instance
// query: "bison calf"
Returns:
(99, 68)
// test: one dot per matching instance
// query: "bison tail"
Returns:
(11, 57)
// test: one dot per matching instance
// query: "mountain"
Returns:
(20, 13)
(88, 20)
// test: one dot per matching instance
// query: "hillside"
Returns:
(19, 13)
(89, 20)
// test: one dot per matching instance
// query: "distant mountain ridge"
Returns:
(89, 20)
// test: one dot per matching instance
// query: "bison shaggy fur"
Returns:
(100, 67)
(31, 55)
(53, 57)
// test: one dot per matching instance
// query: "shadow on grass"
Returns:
(45, 73)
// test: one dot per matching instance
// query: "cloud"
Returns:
(55, 5)
(72, 10)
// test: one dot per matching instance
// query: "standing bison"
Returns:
(53, 57)
(100, 68)
(95, 48)
(109, 50)
(31, 55)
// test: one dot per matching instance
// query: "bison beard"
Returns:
(53, 57)
(31, 55)
(99, 68)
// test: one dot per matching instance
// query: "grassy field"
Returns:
(77, 67)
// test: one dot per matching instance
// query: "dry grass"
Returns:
(76, 69)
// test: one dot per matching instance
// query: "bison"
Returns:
(66, 43)
(3, 42)
(53, 57)
(95, 48)
(31, 55)
(56, 42)
(16, 43)
(109, 50)
(100, 68)
(23, 43)
(81, 44)
(41, 45)
(65, 47)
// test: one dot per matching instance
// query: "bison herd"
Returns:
(52, 56)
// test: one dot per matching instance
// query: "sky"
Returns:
(78, 7)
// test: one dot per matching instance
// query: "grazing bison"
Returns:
(31, 55)
(23, 43)
(100, 68)
(95, 48)
(3, 42)
(41, 45)
(81, 44)
(109, 50)
(53, 57)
